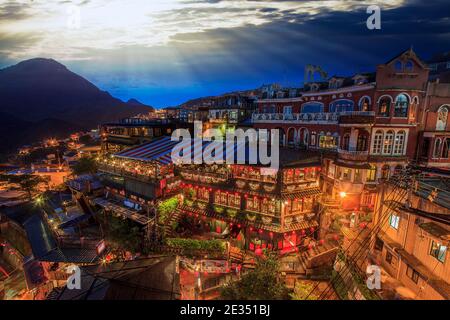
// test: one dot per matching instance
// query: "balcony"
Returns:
(300, 118)
(360, 117)
(353, 155)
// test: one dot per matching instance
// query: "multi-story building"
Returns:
(133, 131)
(412, 245)
(365, 126)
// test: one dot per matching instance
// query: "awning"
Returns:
(156, 150)
(301, 194)
(352, 165)
(435, 230)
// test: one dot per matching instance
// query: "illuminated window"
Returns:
(388, 142)
(438, 251)
(401, 106)
(372, 173)
(394, 221)
(384, 106)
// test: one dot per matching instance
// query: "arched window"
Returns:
(445, 148)
(384, 106)
(437, 148)
(377, 142)
(341, 105)
(312, 107)
(385, 172)
(401, 106)
(409, 66)
(442, 117)
(346, 141)
(388, 142)
(372, 173)
(398, 66)
(364, 104)
(399, 142)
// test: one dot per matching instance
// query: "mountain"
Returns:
(136, 103)
(43, 92)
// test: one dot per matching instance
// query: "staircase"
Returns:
(168, 230)
(236, 255)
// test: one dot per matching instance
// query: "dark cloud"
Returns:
(12, 10)
(221, 60)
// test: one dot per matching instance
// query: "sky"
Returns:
(164, 52)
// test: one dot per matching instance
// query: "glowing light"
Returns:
(342, 194)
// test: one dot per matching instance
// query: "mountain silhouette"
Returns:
(43, 91)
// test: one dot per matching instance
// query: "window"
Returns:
(438, 251)
(385, 172)
(409, 66)
(346, 141)
(437, 148)
(361, 143)
(442, 117)
(445, 148)
(399, 142)
(371, 173)
(401, 106)
(341, 105)
(384, 106)
(389, 257)
(364, 104)
(379, 244)
(388, 141)
(287, 109)
(394, 221)
(312, 107)
(377, 142)
(346, 174)
(412, 274)
(398, 66)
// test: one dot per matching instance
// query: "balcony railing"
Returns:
(295, 117)
(321, 117)
(353, 154)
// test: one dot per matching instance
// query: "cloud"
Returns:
(163, 52)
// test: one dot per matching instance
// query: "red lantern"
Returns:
(336, 237)
(250, 228)
(310, 246)
(260, 231)
(303, 231)
(239, 225)
(271, 234)
(258, 251)
(311, 229)
(321, 241)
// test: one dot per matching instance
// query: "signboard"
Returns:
(215, 266)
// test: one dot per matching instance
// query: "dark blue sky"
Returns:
(198, 48)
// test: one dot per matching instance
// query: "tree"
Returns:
(85, 165)
(263, 283)
(303, 291)
(27, 182)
